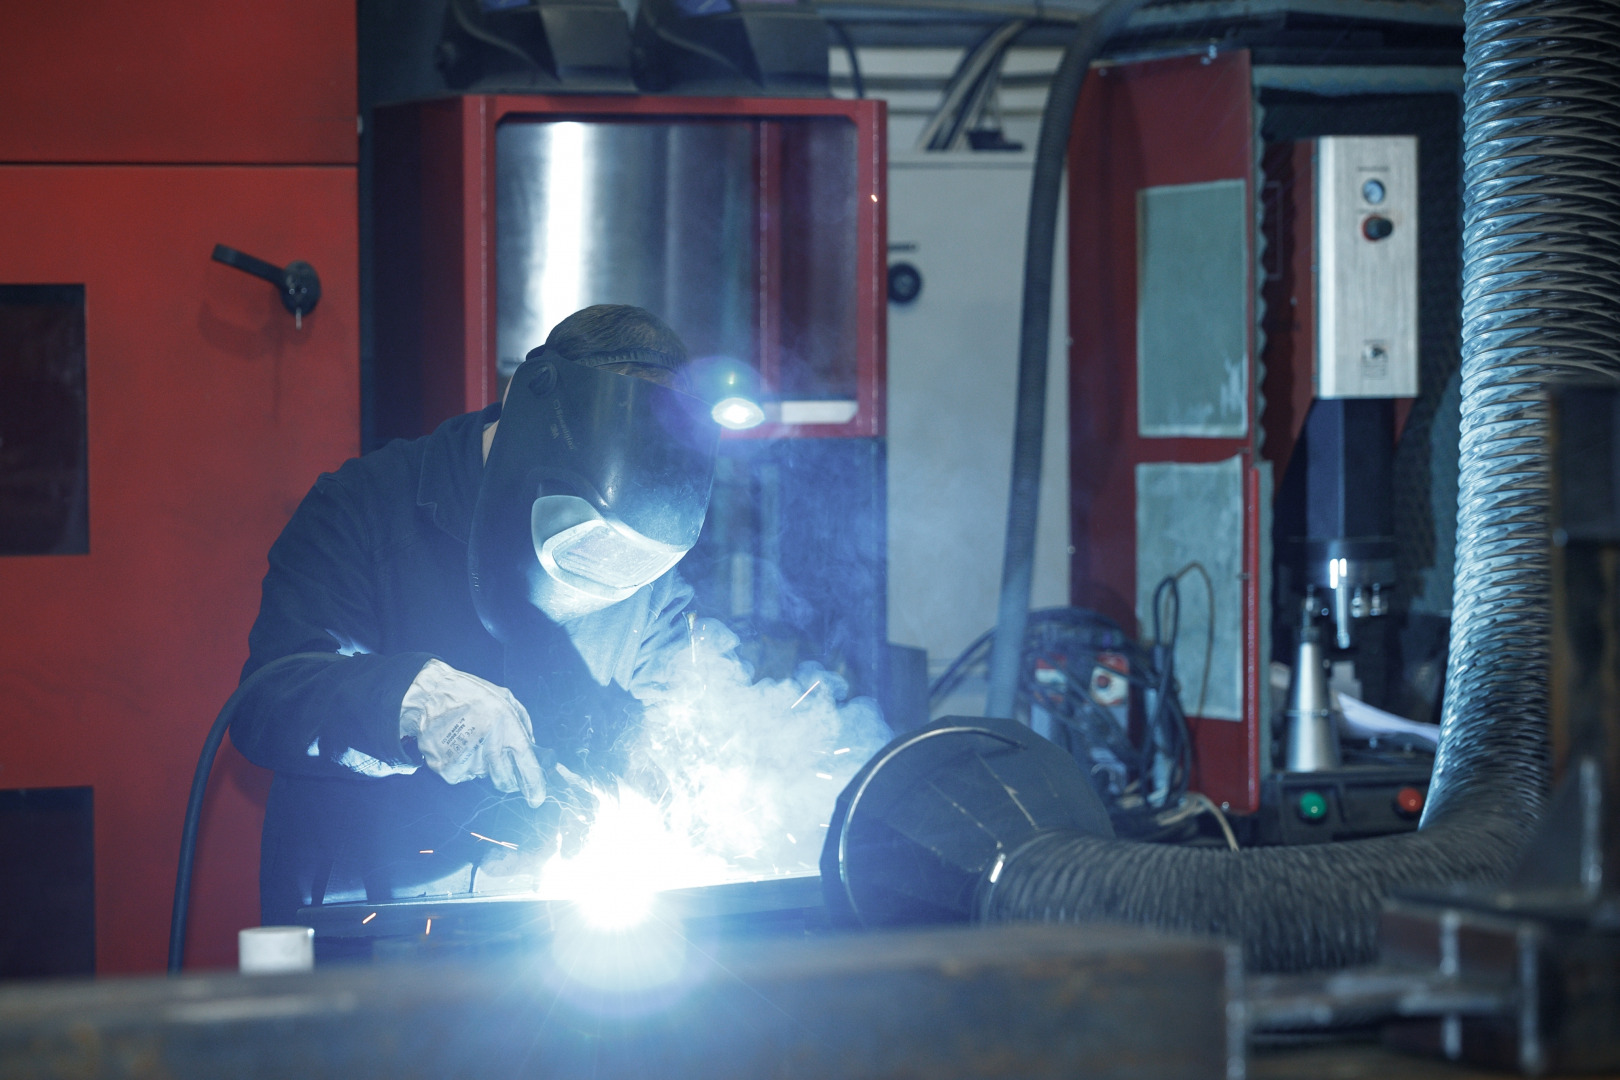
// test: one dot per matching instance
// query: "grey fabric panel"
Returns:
(1192, 333)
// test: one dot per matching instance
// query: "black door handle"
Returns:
(297, 282)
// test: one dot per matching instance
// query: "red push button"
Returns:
(1409, 802)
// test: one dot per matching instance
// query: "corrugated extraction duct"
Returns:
(1541, 303)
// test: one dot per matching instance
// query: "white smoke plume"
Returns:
(746, 775)
(753, 767)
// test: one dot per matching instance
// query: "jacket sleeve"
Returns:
(665, 640)
(316, 696)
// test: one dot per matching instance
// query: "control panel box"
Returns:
(1366, 266)
(1341, 804)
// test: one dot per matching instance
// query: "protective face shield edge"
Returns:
(609, 473)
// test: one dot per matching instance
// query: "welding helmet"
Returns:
(596, 485)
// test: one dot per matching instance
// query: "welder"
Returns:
(454, 626)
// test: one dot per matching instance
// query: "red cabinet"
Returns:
(178, 80)
(1163, 408)
(209, 415)
(133, 138)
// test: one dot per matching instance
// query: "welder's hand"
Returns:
(466, 727)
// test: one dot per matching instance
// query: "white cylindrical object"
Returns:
(269, 950)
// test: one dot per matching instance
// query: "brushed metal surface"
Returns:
(657, 214)
(1367, 310)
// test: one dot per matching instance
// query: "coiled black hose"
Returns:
(1541, 302)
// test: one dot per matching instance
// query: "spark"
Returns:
(425, 851)
(629, 856)
(368, 918)
(429, 929)
(824, 776)
(790, 838)
(841, 750)
(691, 635)
(502, 843)
(826, 825)
(804, 695)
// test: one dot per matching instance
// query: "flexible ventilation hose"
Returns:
(1541, 301)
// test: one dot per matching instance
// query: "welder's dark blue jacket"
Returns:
(368, 582)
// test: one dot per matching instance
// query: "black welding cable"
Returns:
(180, 913)
(841, 32)
(1035, 327)
(188, 842)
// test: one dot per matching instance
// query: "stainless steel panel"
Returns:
(1366, 308)
(661, 215)
(741, 234)
(1192, 331)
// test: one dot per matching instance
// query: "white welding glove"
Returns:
(466, 727)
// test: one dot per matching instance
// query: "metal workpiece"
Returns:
(1555, 984)
(1277, 1005)
(1026, 1001)
(486, 925)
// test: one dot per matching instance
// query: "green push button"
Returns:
(1312, 807)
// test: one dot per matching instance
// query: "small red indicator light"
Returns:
(1409, 801)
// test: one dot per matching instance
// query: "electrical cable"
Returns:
(1207, 805)
(670, 37)
(1035, 327)
(960, 85)
(188, 842)
(1065, 650)
(983, 89)
(478, 33)
(180, 912)
(841, 32)
(1209, 635)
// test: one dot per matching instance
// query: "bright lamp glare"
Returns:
(629, 856)
(738, 413)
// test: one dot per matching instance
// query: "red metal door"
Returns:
(1182, 121)
(209, 416)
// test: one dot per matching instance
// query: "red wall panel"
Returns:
(1180, 120)
(178, 81)
(209, 417)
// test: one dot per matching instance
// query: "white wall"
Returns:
(953, 360)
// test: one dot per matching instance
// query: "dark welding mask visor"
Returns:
(597, 484)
